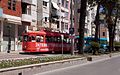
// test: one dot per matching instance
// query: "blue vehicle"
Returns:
(88, 40)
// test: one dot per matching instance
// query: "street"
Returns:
(110, 66)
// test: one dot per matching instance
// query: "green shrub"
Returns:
(95, 47)
(95, 44)
(116, 43)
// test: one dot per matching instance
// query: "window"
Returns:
(57, 24)
(9, 4)
(12, 4)
(56, 39)
(103, 33)
(66, 6)
(66, 26)
(39, 38)
(26, 38)
(63, 3)
(33, 38)
(44, 3)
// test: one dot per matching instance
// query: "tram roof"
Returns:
(45, 33)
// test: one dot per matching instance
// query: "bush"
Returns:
(116, 43)
(117, 46)
(95, 47)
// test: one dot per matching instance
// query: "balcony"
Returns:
(27, 1)
(26, 18)
(54, 14)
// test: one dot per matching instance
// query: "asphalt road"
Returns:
(110, 66)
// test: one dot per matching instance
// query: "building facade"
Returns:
(16, 16)
(29, 14)
(43, 13)
(10, 20)
(54, 14)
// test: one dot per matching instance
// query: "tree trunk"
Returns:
(110, 37)
(110, 26)
(97, 23)
(82, 25)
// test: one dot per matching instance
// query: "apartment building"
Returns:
(29, 14)
(64, 18)
(76, 7)
(43, 13)
(54, 14)
(16, 16)
(10, 20)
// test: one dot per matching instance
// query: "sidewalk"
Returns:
(17, 55)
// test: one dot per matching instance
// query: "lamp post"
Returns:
(9, 38)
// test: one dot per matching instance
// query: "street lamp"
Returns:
(9, 38)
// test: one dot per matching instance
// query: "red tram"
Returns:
(44, 41)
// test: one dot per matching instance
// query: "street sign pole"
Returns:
(62, 37)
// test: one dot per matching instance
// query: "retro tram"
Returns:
(45, 41)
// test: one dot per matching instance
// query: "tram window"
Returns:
(48, 39)
(59, 39)
(25, 38)
(65, 40)
(42, 39)
(39, 38)
(29, 38)
(33, 38)
(56, 39)
(53, 39)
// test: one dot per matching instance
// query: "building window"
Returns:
(66, 6)
(9, 4)
(66, 26)
(103, 33)
(44, 3)
(57, 24)
(12, 4)
(63, 3)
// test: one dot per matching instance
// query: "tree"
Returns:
(110, 6)
(82, 25)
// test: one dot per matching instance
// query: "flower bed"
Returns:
(21, 62)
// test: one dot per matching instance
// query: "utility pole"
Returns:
(9, 38)
(50, 17)
(71, 27)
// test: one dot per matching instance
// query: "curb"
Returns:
(41, 64)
